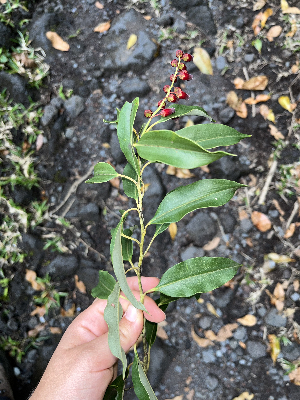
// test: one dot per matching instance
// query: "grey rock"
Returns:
(208, 356)
(49, 115)
(256, 349)
(221, 63)
(223, 299)
(275, 319)
(115, 149)
(160, 360)
(185, 5)
(57, 102)
(32, 322)
(295, 296)
(226, 115)
(118, 57)
(202, 17)
(69, 133)
(61, 267)
(38, 29)
(211, 382)
(16, 88)
(192, 252)
(94, 193)
(179, 25)
(246, 225)
(291, 352)
(74, 106)
(132, 87)
(216, 325)
(154, 193)
(89, 276)
(23, 196)
(226, 168)
(262, 311)
(240, 333)
(12, 324)
(55, 133)
(5, 35)
(228, 222)
(33, 247)
(205, 322)
(249, 57)
(201, 229)
(165, 20)
(85, 212)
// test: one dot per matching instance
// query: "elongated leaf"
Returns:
(105, 285)
(169, 148)
(117, 260)
(103, 172)
(160, 229)
(112, 314)
(201, 194)
(151, 327)
(141, 385)
(124, 132)
(135, 106)
(209, 136)
(129, 187)
(197, 275)
(115, 390)
(127, 245)
(181, 109)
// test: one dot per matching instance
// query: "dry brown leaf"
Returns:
(31, 278)
(3, 1)
(171, 170)
(285, 102)
(255, 83)
(274, 32)
(284, 5)
(183, 173)
(188, 123)
(190, 395)
(280, 258)
(290, 231)
(248, 320)
(275, 132)
(295, 376)
(202, 61)
(289, 312)
(274, 342)
(177, 397)
(296, 285)
(265, 16)
(237, 104)
(259, 5)
(249, 242)
(277, 206)
(36, 330)
(41, 311)
(39, 142)
(205, 169)
(258, 99)
(172, 230)
(226, 332)
(294, 69)
(256, 23)
(147, 17)
(261, 221)
(24, 59)
(188, 380)
(253, 181)
(115, 182)
(244, 396)
(69, 313)
(291, 10)
(55, 330)
(242, 344)
(267, 113)
(161, 333)
(212, 310)
(103, 27)
(131, 41)
(200, 300)
(293, 29)
(243, 214)
(238, 83)
(57, 42)
(212, 244)
(106, 145)
(99, 5)
(200, 341)
(80, 285)
(210, 335)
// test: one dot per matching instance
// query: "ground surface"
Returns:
(103, 74)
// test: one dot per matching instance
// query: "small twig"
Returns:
(73, 189)
(92, 249)
(68, 207)
(264, 192)
(294, 212)
(252, 93)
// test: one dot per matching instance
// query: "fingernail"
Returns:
(131, 313)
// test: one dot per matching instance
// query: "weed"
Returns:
(14, 347)
(166, 33)
(49, 297)
(54, 244)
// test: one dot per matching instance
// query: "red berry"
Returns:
(161, 103)
(183, 95)
(183, 74)
(166, 88)
(167, 111)
(148, 113)
(174, 63)
(187, 57)
(173, 78)
(172, 98)
(179, 53)
(181, 66)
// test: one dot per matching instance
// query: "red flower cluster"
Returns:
(177, 94)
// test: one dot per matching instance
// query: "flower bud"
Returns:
(179, 53)
(187, 57)
(148, 113)
(173, 78)
(161, 103)
(183, 74)
(183, 95)
(174, 63)
(167, 111)
(181, 66)
(177, 91)
(172, 98)
(166, 88)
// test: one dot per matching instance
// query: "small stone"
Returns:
(228, 222)
(178, 369)
(275, 319)
(224, 298)
(49, 115)
(240, 333)
(74, 106)
(291, 352)
(115, 149)
(261, 311)
(201, 229)
(89, 276)
(61, 267)
(134, 87)
(205, 322)
(226, 115)
(5, 35)
(16, 87)
(202, 17)
(221, 63)
(246, 225)
(69, 133)
(179, 26)
(256, 349)
(211, 382)
(192, 252)
(208, 356)
(295, 296)
(165, 20)
(249, 57)
(226, 168)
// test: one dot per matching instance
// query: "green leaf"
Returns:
(105, 285)
(209, 136)
(112, 314)
(165, 300)
(117, 260)
(151, 327)
(181, 109)
(160, 229)
(113, 122)
(115, 390)
(103, 172)
(201, 194)
(129, 187)
(169, 148)
(135, 106)
(125, 133)
(127, 245)
(141, 385)
(197, 275)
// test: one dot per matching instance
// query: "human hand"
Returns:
(82, 365)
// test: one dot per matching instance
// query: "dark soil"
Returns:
(104, 76)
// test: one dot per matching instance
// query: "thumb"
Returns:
(130, 327)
